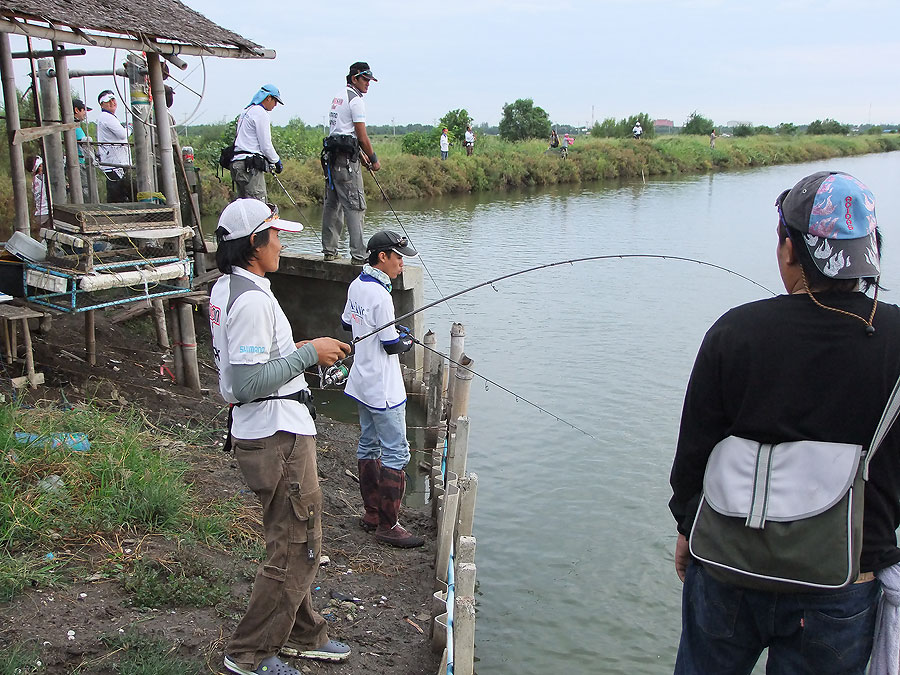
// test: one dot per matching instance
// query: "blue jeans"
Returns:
(383, 434)
(725, 628)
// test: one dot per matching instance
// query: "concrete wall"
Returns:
(312, 293)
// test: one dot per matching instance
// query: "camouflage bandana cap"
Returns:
(836, 214)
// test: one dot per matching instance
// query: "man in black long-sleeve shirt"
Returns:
(816, 364)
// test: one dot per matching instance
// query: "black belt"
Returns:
(303, 396)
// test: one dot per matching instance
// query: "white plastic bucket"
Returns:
(24, 247)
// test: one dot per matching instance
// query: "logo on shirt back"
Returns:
(214, 314)
(337, 101)
(252, 349)
(357, 309)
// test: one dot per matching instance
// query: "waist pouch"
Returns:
(781, 517)
(303, 396)
(340, 145)
(254, 162)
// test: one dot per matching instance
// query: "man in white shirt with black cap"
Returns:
(273, 436)
(376, 383)
(254, 153)
(115, 158)
(347, 143)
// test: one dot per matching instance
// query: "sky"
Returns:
(760, 61)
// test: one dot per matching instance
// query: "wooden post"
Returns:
(159, 321)
(90, 341)
(188, 345)
(178, 361)
(163, 137)
(464, 636)
(6, 344)
(64, 89)
(468, 488)
(457, 344)
(456, 455)
(54, 168)
(29, 357)
(16, 154)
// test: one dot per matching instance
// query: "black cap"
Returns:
(362, 68)
(386, 240)
(78, 104)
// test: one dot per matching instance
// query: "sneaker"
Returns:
(358, 262)
(270, 666)
(330, 651)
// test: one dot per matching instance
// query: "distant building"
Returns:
(737, 123)
(664, 126)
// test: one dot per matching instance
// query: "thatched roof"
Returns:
(167, 20)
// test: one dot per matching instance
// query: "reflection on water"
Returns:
(574, 537)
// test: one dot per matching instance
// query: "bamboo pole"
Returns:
(139, 94)
(457, 344)
(67, 114)
(16, 154)
(54, 168)
(29, 356)
(90, 340)
(159, 321)
(188, 345)
(468, 489)
(464, 636)
(178, 361)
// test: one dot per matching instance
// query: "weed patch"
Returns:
(185, 580)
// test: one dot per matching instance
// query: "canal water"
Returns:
(575, 541)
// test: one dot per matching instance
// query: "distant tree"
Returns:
(522, 119)
(742, 130)
(827, 126)
(605, 129)
(786, 129)
(422, 143)
(874, 131)
(763, 130)
(456, 122)
(698, 125)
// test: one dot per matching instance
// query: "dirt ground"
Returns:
(386, 593)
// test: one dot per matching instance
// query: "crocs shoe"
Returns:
(269, 666)
(330, 651)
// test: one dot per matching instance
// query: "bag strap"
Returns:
(888, 417)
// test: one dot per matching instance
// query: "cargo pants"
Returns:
(345, 203)
(281, 470)
(248, 183)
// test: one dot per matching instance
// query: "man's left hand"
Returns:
(682, 556)
(278, 167)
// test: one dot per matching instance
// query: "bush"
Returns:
(827, 126)
(743, 130)
(522, 119)
(422, 143)
(697, 125)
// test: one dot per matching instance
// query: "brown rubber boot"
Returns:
(369, 471)
(391, 485)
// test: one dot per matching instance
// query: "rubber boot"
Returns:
(391, 485)
(369, 471)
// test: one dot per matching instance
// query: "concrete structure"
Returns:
(312, 294)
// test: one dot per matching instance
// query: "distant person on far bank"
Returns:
(445, 145)
(554, 139)
(345, 150)
(376, 384)
(637, 130)
(470, 141)
(254, 153)
(115, 156)
(712, 139)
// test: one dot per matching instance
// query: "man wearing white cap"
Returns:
(115, 158)
(254, 153)
(273, 436)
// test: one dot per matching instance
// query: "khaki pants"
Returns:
(281, 470)
(345, 203)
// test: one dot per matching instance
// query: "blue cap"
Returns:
(265, 91)
(836, 214)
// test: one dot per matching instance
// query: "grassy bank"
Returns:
(498, 165)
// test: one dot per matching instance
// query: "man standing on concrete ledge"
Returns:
(347, 143)
(254, 153)
(376, 384)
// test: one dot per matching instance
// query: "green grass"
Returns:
(20, 660)
(130, 483)
(132, 653)
(183, 581)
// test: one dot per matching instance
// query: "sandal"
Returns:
(268, 666)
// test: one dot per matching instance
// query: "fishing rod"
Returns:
(297, 206)
(621, 256)
(391, 207)
(508, 391)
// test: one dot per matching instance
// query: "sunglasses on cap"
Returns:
(272, 216)
(366, 74)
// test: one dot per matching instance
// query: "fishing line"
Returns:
(296, 206)
(421, 259)
(508, 391)
(622, 256)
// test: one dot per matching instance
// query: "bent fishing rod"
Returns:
(391, 207)
(620, 256)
